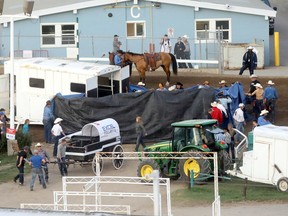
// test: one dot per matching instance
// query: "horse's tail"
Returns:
(174, 63)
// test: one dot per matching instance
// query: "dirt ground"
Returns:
(12, 194)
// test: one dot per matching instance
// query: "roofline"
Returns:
(222, 7)
(196, 4)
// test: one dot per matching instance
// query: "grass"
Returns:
(8, 168)
(230, 191)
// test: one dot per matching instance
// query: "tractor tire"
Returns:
(200, 167)
(282, 184)
(146, 167)
(224, 162)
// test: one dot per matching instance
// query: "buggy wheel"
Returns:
(224, 161)
(117, 155)
(146, 167)
(282, 184)
(200, 167)
(94, 165)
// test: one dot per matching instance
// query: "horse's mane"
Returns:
(134, 54)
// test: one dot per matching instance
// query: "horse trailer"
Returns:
(268, 161)
(40, 79)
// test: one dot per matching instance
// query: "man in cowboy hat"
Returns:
(216, 113)
(270, 96)
(254, 81)
(46, 158)
(187, 51)
(239, 121)
(263, 118)
(249, 61)
(58, 133)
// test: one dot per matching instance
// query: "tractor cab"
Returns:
(195, 134)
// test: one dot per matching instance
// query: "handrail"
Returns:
(243, 143)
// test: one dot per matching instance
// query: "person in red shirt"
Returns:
(216, 113)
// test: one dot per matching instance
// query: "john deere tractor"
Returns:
(188, 136)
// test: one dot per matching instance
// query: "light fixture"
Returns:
(1, 6)
(28, 7)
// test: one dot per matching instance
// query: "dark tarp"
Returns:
(158, 110)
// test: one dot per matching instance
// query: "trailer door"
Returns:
(262, 161)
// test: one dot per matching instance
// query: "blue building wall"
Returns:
(96, 29)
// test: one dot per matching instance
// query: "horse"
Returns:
(146, 61)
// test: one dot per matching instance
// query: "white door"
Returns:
(4, 91)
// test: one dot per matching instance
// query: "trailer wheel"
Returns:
(117, 155)
(200, 167)
(282, 184)
(94, 164)
(224, 161)
(146, 167)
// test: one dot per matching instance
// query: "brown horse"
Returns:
(145, 62)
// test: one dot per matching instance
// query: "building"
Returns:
(79, 28)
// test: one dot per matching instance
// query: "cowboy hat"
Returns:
(179, 83)
(57, 120)
(253, 76)
(141, 84)
(214, 104)
(263, 112)
(241, 105)
(270, 82)
(185, 36)
(222, 82)
(258, 85)
(38, 145)
(250, 48)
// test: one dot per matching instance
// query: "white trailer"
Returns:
(268, 161)
(40, 79)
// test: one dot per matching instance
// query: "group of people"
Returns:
(39, 163)
(181, 49)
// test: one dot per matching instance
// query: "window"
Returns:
(77, 87)
(213, 29)
(136, 29)
(36, 83)
(57, 35)
(68, 34)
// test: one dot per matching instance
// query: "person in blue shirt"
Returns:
(118, 58)
(269, 99)
(48, 119)
(262, 119)
(36, 162)
(25, 129)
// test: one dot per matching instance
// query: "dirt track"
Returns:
(12, 194)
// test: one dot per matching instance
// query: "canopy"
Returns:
(106, 129)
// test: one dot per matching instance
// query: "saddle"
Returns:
(151, 59)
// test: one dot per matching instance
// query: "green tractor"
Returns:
(199, 135)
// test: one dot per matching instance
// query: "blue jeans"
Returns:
(139, 141)
(239, 126)
(20, 174)
(37, 171)
(62, 166)
(48, 124)
(56, 141)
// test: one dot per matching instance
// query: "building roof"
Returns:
(45, 7)
(64, 65)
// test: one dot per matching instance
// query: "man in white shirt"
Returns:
(57, 132)
(239, 121)
(165, 44)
